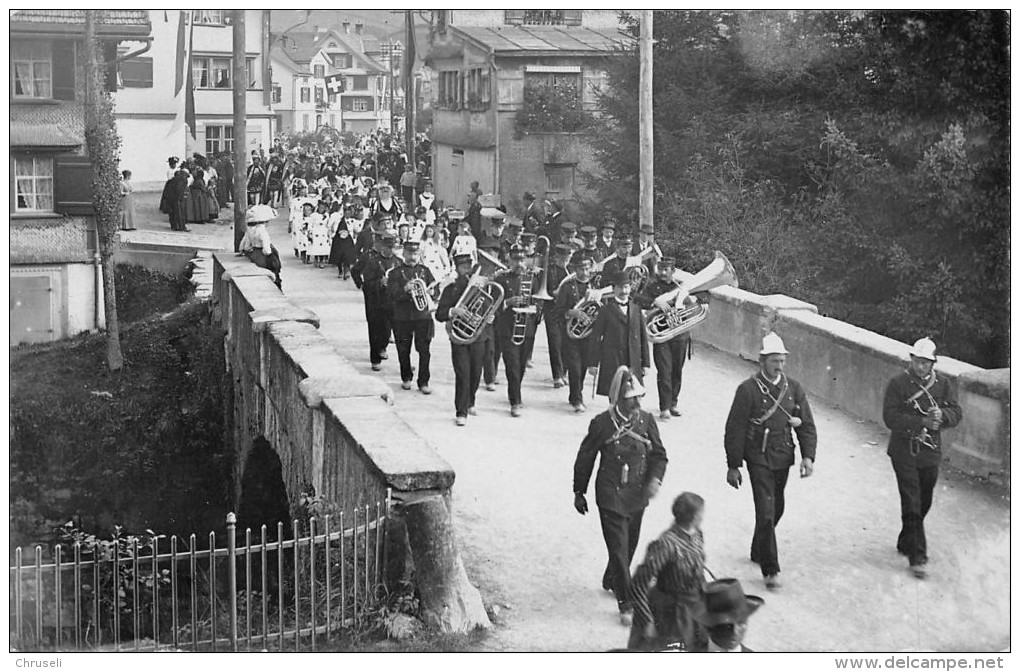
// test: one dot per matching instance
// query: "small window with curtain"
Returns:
(31, 69)
(209, 17)
(277, 93)
(319, 94)
(251, 72)
(306, 94)
(33, 184)
(320, 71)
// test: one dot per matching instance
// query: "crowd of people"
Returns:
(493, 280)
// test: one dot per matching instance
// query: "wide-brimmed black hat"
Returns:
(725, 602)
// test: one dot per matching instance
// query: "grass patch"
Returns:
(144, 447)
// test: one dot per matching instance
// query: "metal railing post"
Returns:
(232, 577)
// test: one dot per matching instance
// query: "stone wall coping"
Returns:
(992, 383)
(268, 303)
(868, 342)
(406, 460)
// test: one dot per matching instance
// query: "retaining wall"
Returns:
(334, 430)
(849, 367)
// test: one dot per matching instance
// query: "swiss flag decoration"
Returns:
(335, 84)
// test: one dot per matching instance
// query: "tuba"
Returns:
(589, 305)
(481, 298)
(670, 317)
(543, 289)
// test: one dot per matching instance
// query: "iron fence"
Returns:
(255, 594)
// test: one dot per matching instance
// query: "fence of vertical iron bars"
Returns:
(285, 594)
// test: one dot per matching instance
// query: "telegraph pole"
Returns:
(240, 134)
(409, 102)
(647, 175)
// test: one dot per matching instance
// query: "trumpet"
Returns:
(480, 299)
(589, 305)
(670, 317)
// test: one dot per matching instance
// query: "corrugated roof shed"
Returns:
(552, 39)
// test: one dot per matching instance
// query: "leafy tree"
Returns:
(103, 145)
(858, 160)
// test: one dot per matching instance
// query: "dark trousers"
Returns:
(768, 487)
(529, 346)
(420, 332)
(916, 485)
(513, 362)
(669, 358)
(554, 335)
(574, 355)
(621, 532)
(467, 371)
(489, 356)
(407, 193)
(378, 331)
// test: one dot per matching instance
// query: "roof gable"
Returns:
(304, 46)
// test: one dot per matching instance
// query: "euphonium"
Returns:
(670, 317)
(589, 305)
(419, 294)
(481, 298)
(635, 266)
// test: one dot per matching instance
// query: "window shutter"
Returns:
(572, 17)
(72, 185)
(63, 70)
(370, 104)
(137, 73)
(361, 82)
(109, 56)
(513, 17)
(346, 104)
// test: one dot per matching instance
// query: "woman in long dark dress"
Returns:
(177, 200)
(341, 252)
(198, 204)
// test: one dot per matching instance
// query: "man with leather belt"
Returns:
(918, 404)
(467, 358)
(410, 323)
(767, 408)
(369, 275)
(632, 463)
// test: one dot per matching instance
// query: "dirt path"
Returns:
(540, 562)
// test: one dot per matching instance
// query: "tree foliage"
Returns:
(854, 159)
(103, 145)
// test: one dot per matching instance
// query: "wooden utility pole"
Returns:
(647, 211)
(240, 134)
(409, 102)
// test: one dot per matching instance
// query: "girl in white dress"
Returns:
(299, 231)
(318, 236)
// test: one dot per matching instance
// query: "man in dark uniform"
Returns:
(410, 323)
(511, 236)
(516, 316)
(372, 229)
(467, 359)
(568, 236)
(618, 336)
(631, 468)
(532, 262)
(615, 261)
(588, 241)
(369, 275)
(554, 315)
(492, 352)
(534, 217)
(604, 244)
(766, 409)
(918, 404)
(575, 351)
(669, 357)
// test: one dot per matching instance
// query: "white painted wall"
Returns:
(81, 297)
(145, 146)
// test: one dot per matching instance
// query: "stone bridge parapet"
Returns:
(335, 432)
(849, 367)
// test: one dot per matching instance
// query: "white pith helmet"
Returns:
(771, 344)
(924, 348)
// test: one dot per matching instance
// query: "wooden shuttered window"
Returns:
(63, 70)
(513, 17)
(571, 17)
(109, 56)
(137, 73)
(72, 185)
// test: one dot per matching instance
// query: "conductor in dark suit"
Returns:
(631, 468)
(618, 336)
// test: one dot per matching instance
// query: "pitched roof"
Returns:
(47, 125)
(114, 22)
(546, 39)
(302, 46)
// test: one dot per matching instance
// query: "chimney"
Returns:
(358, 28)
(347, 27)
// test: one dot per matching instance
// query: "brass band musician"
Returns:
(411, 320)
(516, 321)
(575, 351)
(554, 315)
